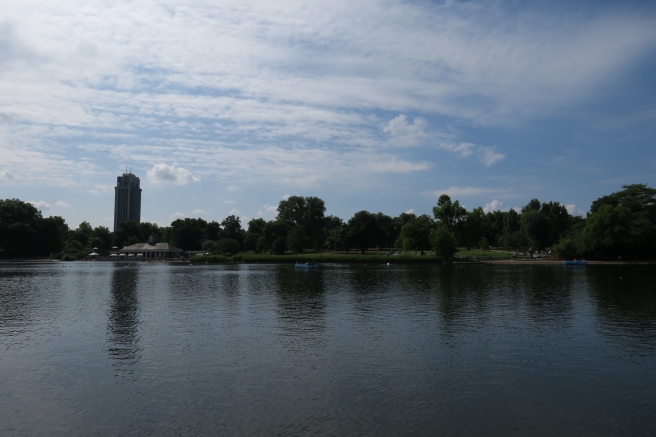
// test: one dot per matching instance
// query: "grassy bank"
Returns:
(319, 258)
(487, 254)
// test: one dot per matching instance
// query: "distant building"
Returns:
(127, 199)
(150, 250)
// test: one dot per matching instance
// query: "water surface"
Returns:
(154, 349)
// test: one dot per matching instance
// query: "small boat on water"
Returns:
(307, 265)
(576, 262)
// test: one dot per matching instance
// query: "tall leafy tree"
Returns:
(276, 231)
(363, 230)
(475, 227)
(188, 233)
(417, 231)
(18, 223)
(444, 242)
(388, 232)
(128, 232)
(232, 228)
(622, 224)
(308, 212)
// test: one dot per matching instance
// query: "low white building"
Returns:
(150, 250)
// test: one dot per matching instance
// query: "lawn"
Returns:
(496, 253)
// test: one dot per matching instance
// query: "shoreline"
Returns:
(285, 260)
(560, 262)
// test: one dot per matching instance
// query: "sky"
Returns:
(227, 107)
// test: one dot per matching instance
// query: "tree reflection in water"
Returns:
(123, 319)
(301, 307)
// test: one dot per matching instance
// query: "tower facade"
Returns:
(127, 199)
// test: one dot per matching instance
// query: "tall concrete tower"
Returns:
(127, 199)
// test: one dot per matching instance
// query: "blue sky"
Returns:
(227, 107)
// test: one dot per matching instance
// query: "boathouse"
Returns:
(150, 250)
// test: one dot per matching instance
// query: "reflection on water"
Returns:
(123, 318)
(625, 301)
(343, 350)
(300, 307)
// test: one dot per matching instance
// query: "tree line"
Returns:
(620, 225)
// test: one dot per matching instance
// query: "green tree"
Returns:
(475, 227)
(250, 241)
(409, 244)
(622, 224)
(188, 233)
(227, 246)
(256, 226)
(448, 213)
(18, 223)
(444, 242)
(276, 229)
(494, 229)
(279, 246)
(232, 228)
(128, 231)
(50, 235)
(363, 230)
(296, 239)
(103, 236)
(388, 233)
(417, 230)
(545, 223)
(307, 212)
(147, 229)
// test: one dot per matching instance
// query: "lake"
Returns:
(101, 348)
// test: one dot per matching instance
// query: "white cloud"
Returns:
(571, 209)
(162, 174)
(101, 189)
(462, 149)
(295, 99)
(176, 216)
(403, 133)
(269, 209)
(488, 156)
(229, 202)
(495, 205)
(200, 212)
(62, 204)
(234, 212)
(410, 211)
(41, 204)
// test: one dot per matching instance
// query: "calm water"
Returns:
(104, 349)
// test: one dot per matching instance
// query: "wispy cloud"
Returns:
(464, 191)
(489, 156)
(294, 94)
